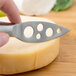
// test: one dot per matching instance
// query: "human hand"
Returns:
(9, 7)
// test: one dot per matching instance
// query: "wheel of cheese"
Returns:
(17, 56)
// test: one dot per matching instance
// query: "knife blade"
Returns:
(22, 31)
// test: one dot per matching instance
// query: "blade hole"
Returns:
(49, 32)
(40, 27)
(38, 36)
(59, 30)
(28, 32)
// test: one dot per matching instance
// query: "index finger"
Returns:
(11, 10)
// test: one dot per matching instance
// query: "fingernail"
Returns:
(3, 39)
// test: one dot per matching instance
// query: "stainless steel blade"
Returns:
(18, 31)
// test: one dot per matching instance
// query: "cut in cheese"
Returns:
(17, 56)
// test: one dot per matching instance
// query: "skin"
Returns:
(9, 7)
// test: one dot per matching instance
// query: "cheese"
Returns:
(35, 7)
(17, 56)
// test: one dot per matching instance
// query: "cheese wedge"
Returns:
(17, 56)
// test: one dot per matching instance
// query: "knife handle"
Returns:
(6, 29)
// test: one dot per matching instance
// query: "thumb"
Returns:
(3, 38)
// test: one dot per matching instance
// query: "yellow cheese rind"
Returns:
(17, 56)
(48, 54)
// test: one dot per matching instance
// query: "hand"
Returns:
(8, 7)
